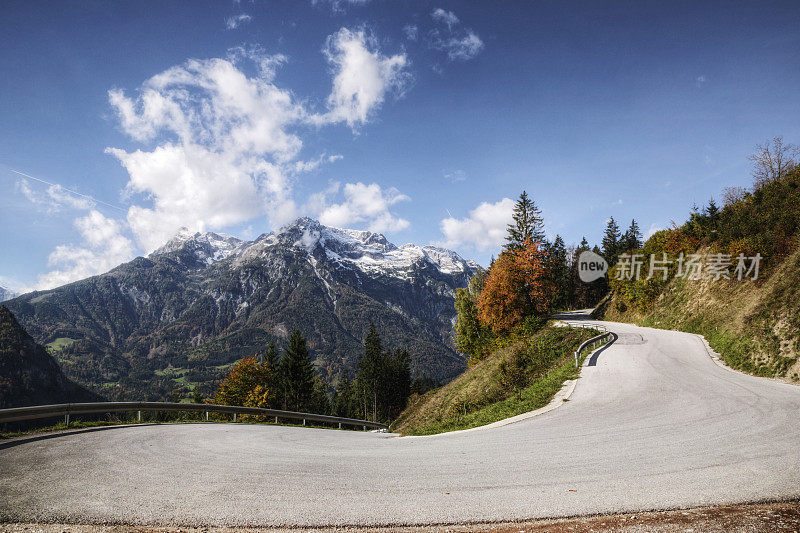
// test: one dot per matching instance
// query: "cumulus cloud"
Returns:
(227, 153)
(105, 247)
(484, 229)
(363, 76)
(359, 204)
(460, 44)
(235, 21)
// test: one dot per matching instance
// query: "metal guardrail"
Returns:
(593, 342)
(17, 414)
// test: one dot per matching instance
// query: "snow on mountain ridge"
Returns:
(369, 252)
(208, 247)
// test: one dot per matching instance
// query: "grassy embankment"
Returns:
(753, 324)
(519, 377)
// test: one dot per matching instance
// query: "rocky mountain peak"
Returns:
(206, 248)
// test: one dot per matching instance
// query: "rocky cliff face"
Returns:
(172, 321)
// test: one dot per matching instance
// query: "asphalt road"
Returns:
(654, 423)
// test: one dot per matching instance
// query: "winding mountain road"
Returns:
(653, 423)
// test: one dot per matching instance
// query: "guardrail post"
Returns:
(206, 416)
(340, 425)
(576, 359)
(139, 416)
(234, 417)
(276, 419)
(66, 419)
(304, 421)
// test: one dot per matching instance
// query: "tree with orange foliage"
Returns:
(248, 384)
(515, 288)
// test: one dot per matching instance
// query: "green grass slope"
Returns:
(753, 324)
(519, 377)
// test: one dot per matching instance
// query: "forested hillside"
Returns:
(753, 323)
(28, 375)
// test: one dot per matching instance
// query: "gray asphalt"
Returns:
(653, 423)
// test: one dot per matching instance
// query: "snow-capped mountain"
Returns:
(206, 248)
(204, 300)
(6, 294)
(368, 252)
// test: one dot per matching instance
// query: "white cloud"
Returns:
(484, 229)
(362, 76)
(105, 248)
(411, 31)
(340, 6)
(460, 44)
(54, 198)
(446, 17)
(231, 23)
(654, 228)
(461, 48)
(361, 205)
(456, 176)
(227, 153)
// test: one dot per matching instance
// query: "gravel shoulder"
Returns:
(776, 517)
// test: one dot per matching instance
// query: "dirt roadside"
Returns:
(766, 517)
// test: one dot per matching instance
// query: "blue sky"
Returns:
(422, 120)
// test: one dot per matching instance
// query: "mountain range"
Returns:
(166, 325)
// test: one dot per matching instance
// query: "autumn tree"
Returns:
(247, 384)
(515, 288)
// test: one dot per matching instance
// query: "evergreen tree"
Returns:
(528, 224)
(271, 357)
(297, 374)
(712, 210)
(272, 362)
(398, 383)
(370, 370)
(584, 245)
(611, 242)
(344, 402)
(557, 272)
(633, 237)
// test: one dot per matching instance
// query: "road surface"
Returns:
(653, 423)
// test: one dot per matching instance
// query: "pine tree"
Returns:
(633, 237)
(611, 242)
(370, 370)
(297, 374)
(271, 357)
(584, 245)
(528, 224)
(272, 362)
(556, 266)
